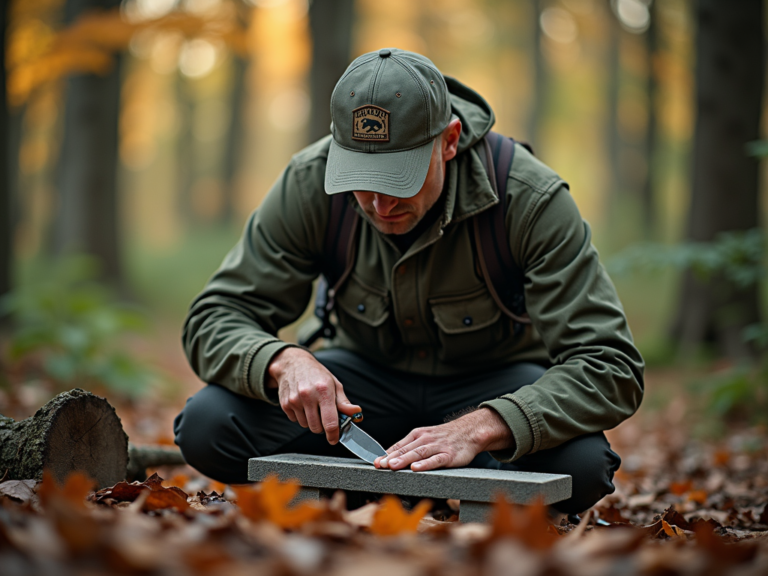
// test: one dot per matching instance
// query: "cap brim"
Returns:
(399, 174)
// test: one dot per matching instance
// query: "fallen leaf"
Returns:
(529, 524)
(680, 488)
(159, 497)
(270, 500)
(391, 518)
(74, 491)
(19, 490)
(698, 496)
(673, 531)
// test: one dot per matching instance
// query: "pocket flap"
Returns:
(363, 302)
(461, 314)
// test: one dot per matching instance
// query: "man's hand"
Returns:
(449, 445)
(309, 394)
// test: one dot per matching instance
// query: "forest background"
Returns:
(139, 135)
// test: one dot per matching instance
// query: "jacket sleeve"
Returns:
(596, 378)
(263, 284)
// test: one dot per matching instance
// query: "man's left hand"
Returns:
(449, 445)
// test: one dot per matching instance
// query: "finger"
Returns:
(330, 419)
(407, 456)
(310, 397)
(439, 460)
(300, 418)
(399, 450)
(343, 404)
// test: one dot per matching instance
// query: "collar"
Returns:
(469, 190)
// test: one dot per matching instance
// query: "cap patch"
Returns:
(370, 123)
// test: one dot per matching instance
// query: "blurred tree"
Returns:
(648, 190)
(235, 138)
(6, 222)
(729, 88)
(186, 150)
(540, 78)
(330, 23)
(87, 213)
(613, 87)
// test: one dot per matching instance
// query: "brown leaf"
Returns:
(698, 496)
(391, 519)
(529, 524)
(680, 488)
(159, 497)
(19, 490)
(611, 514)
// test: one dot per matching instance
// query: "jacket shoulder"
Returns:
(528, 171)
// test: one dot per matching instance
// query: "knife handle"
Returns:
(356, 418)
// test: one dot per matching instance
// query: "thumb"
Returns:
(342, 402)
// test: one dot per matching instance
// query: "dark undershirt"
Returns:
(405, 241)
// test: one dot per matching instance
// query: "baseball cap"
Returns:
(386, 110)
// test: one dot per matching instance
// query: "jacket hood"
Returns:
(474, 112)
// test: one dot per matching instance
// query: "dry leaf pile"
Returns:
(149, 528)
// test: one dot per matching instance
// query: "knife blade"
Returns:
(357, 441)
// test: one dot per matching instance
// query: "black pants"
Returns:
(218, 430)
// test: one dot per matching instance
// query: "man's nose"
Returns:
(384, 204)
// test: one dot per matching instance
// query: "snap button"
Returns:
(468, 321)
(408, 322)
(361, 307)
(401, 270)
(385, 52)
(422, 354)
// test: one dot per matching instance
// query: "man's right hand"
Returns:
(309, 394)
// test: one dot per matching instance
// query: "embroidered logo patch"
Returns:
(370, 123)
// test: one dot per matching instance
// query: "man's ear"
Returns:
(451, 139)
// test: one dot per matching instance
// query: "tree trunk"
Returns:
(75, 431)
(235, 138)
(330, 23)
(648, 190)
(540, 80)
(6, 218)
(729, 89)
(87, 215)
(613, 92)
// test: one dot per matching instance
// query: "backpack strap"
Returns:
(504, 278)
(339, 251)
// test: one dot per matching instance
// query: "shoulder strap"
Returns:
(504, 278)
(339, 251)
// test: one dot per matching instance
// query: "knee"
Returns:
(203, 433)
(591, 464)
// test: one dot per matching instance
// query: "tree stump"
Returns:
(74, 431)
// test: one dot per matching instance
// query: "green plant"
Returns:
(69, 327)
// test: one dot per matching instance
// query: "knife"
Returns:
(357, 441)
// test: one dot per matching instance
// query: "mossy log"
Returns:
(76, 430)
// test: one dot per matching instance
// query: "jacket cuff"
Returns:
(256, 364)
(518, 423)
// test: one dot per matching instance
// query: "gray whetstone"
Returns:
(473, 484)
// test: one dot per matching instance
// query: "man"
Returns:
(443, 377)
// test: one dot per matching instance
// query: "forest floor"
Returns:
(685, 503)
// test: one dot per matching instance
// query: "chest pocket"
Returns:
(468, 325)
(364, 315)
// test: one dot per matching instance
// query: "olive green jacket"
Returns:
(428, 311)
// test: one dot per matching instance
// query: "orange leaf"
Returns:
(529, 524)
(698, 496)
(217, 486)
(270, 501)
(391, 518)
(76, 488)
(722, 457)
(672, 531)
(680, 488)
